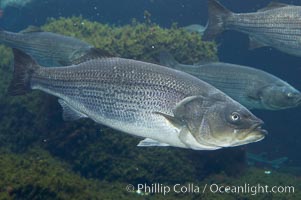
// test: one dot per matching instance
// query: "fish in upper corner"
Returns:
(48, 49)
(277, 25)
(13, 3)
(167, 107)
(195, 28)
(253, 88)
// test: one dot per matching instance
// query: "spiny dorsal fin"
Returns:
(167, 59)
(93, 53)
(273, 5)
(31, 29)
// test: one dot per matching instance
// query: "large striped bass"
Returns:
(253, 88)
(163, 105)
(277, 25)
(48, 49)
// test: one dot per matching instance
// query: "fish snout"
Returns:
(257, 128)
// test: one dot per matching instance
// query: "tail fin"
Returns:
(24, 67)
(168, 60)
(218, 14)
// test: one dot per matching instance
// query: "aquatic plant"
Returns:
(137, 40)
(35, 174)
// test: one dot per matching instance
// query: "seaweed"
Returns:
(141, 41)
(36, 174)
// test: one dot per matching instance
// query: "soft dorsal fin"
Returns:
(273, 5)
(91, 54)
(31, 29)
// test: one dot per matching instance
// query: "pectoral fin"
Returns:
(147, 142)
(69, 113)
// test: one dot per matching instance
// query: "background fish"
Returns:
(251, 87)
(195, 28)
(277, 25)
(49, 49)
(14, 3)
(165, 106)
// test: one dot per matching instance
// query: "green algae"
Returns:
(35, 174)
(137, 41)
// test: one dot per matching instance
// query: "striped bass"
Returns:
(253, 88)
(48, 49)
(163, 105)
(277, 25)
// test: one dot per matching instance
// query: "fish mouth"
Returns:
(257, 132)
(298, 102)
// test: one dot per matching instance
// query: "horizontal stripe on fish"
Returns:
(277, 26)
(165, 106)
(251, 87)
(49, 49)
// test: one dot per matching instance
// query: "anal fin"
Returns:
(69, 113)
(147, 142)
(254, 43)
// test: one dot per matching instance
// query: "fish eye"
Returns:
(289, 94)
(235, 116)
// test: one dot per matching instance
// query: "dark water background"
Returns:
(284, 127)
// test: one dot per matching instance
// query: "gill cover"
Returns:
(189, 117)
